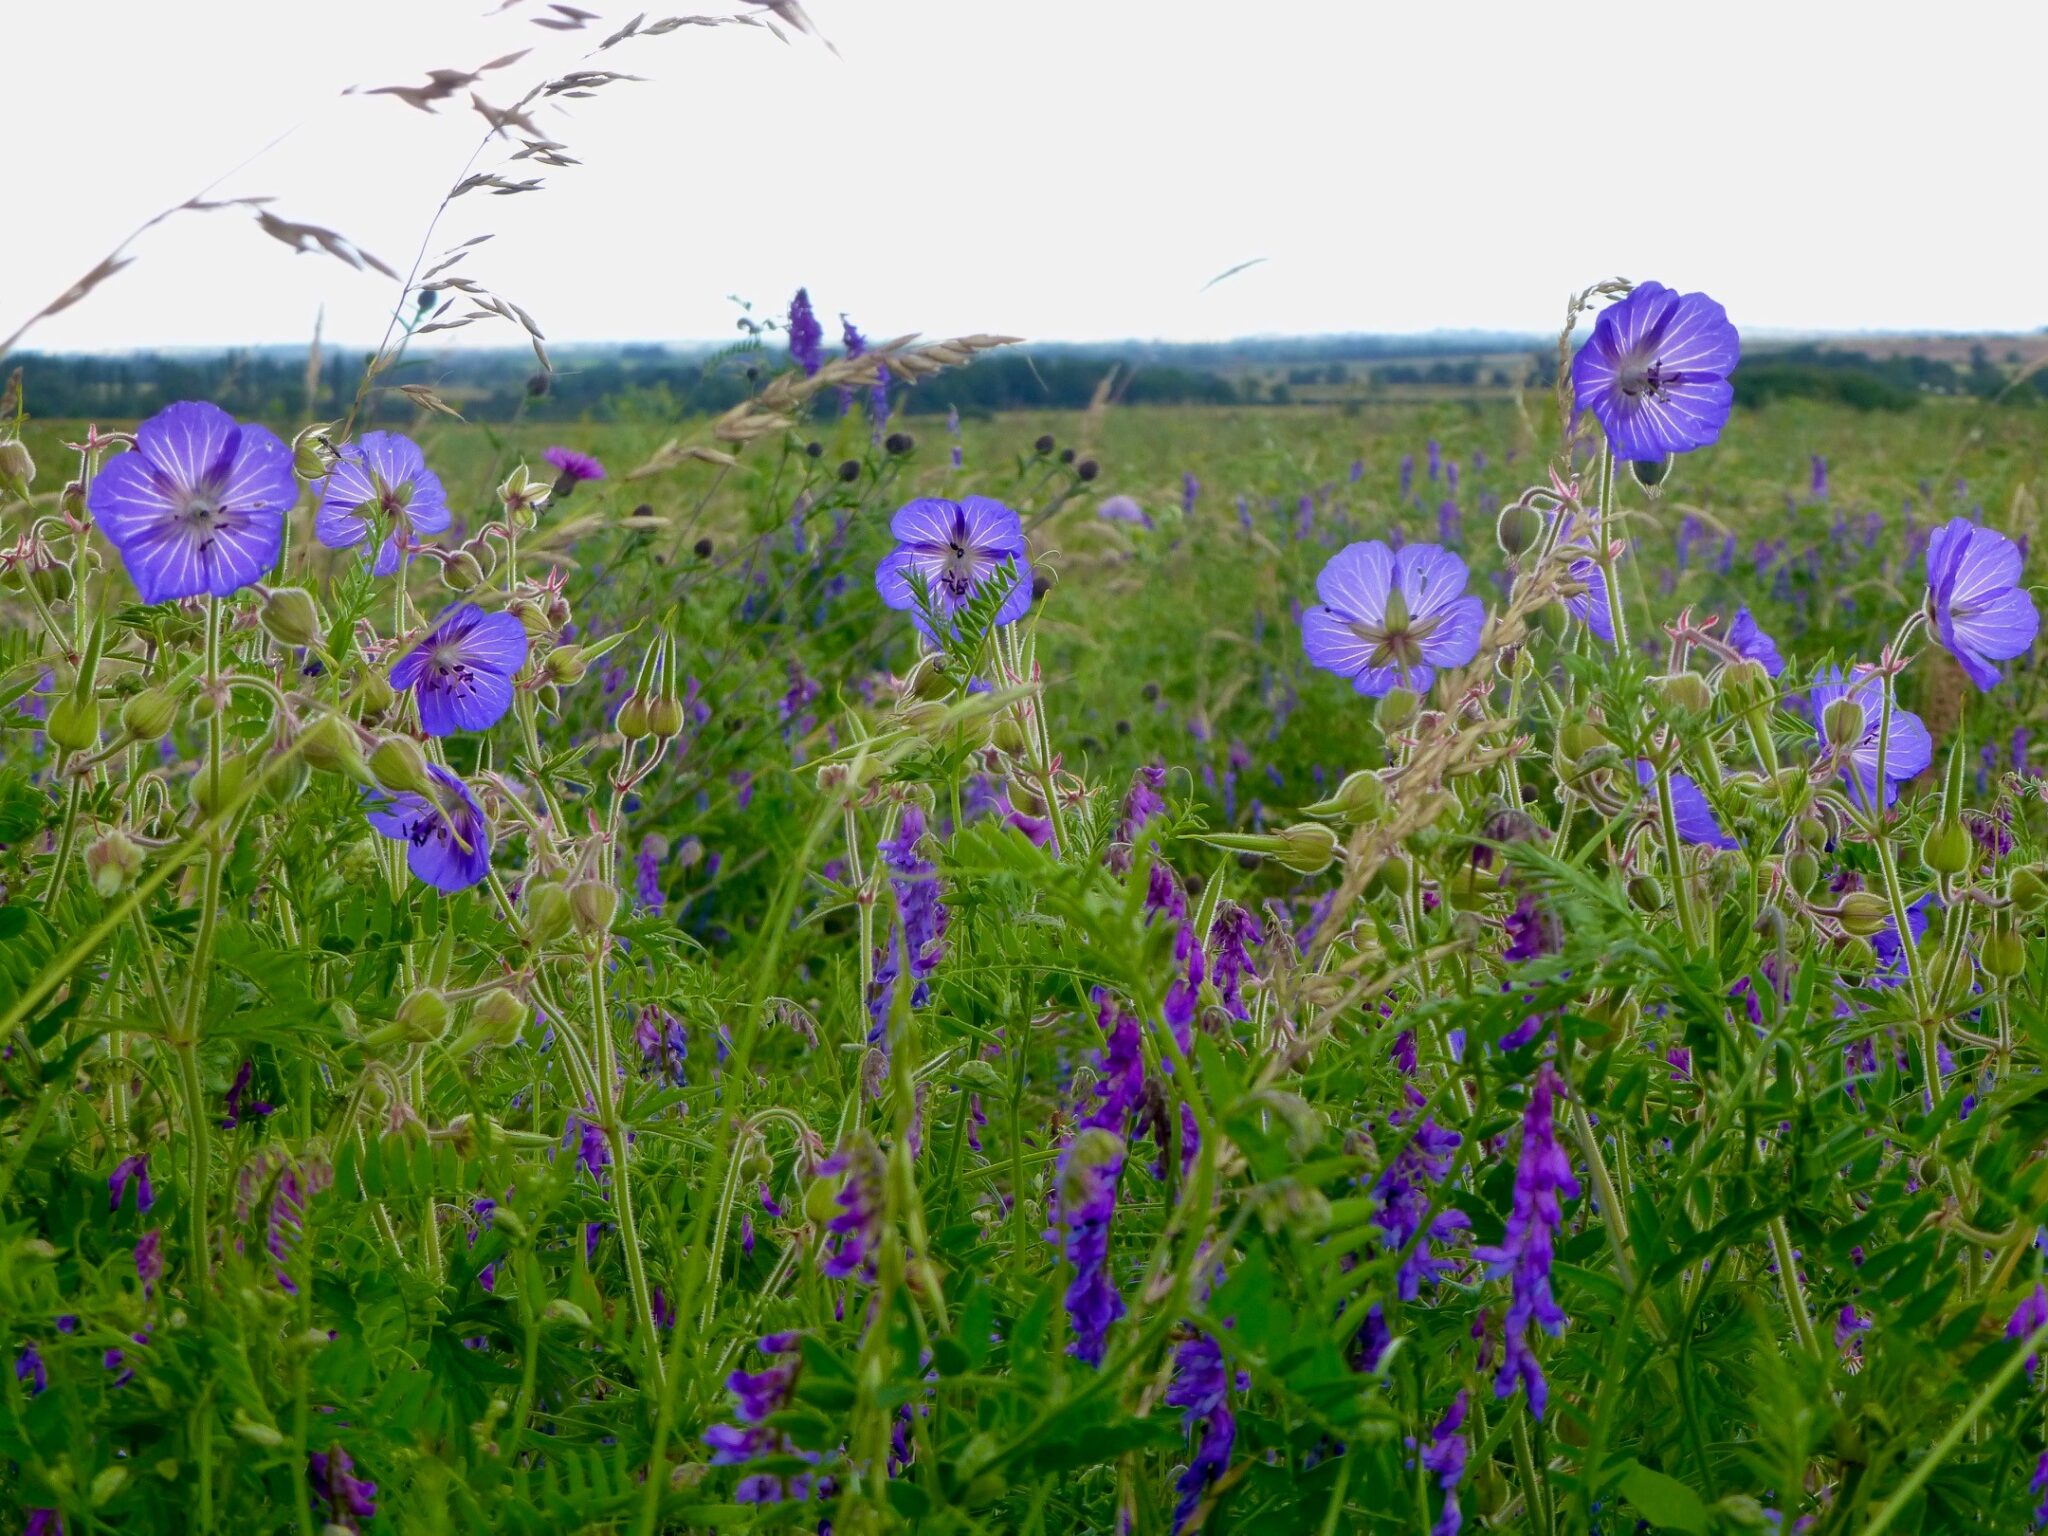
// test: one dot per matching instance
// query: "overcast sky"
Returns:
(1057, 169)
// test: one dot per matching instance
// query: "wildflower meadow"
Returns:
(839, 967)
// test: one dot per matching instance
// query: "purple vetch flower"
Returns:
(1190, 489)
(1390, 618)
(1122, 509)
(461, 672)
(331, 1476)
(1533, 930)
(664, 1044)
(852, 1235)
(131, 1170)
(1445, 1459)
(593, 1150)
(1655, 372)
(2028, 1316)
(1119, 1068)
(1543, 1174)
(30, 1370)
(296, 1185)
(1697, 823)
(149, 1260)
(1974, 598)
(806, 336)
(1849, 1323)
(1083, 1204)
(920, 927)
(1233, 936)
(1753, 644)
(1820, 478)
(1404, 1192)
(647, 872)
(380, 484)
(1201, 1385)
(955, 548)
(236, 1108)
(1907, 753)
(198, 505)
(757, 1397)
(572, 468)
(449, 842)
(48, 1522)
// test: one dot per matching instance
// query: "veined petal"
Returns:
(1356, 581)
(927, 520)
(1455, 640)
(991, 526)
(1332, 644)
(1430, 578)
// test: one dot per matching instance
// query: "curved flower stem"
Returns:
(1795, 1293)
(1610, 568)
(622, 1178)
(1535, 1492)
(67, 839)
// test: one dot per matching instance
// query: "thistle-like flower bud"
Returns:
(594, 905)
(290, 616)
(113, 862)
(548, 914)
(1519, 529)
(17, 469)
(400, 767)
(328, 745)
(1863, 913)
(313, 451)
(423, 1016)
(148, 715)
(566, 665)
(74, 722)
(1686, 691)
(1946, 848)
(1308, 847)
(1843, 722)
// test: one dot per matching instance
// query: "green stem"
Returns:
(622, 1176)
(1795, 1293)
(1674, 857)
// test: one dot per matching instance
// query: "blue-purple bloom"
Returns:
(921, 927)
(331, 1476)
(379, 484)
(1542, 1175)
(1083, 1205)
(852, 1235)
(198, 506)
(449, 842)
(1390, 618)
(1697, 823)
(2027, 1317)
(1655, 372)
(30, 1370)
(1201, 1385)
(806, 336)
(572, 468)
(255, 1109)
(131, 1170)
(1122, 509)
(1445, 1459)
(1752, 644)
(757, 1397)
(1405, 1191)
(149, 1260)
(1974, 598)
(461, 672)
(955, 548)
(1907, 753)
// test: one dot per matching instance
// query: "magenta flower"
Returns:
(199, 505)
(1974, 598)
(461, 673)
(1390, 618)
(955, 548)
(1907, 752)
(1655, 372)
(449, 842)
(572, 468)
(380, 483)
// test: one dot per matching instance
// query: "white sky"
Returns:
(1058, 169)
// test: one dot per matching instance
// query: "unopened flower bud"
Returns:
(1518, 529)
(665, 717)
(1308, 848)
(290, 616)
(400, 767)
(1855, 957)
(74, 722)
(1863, 913)
(1007, 737)
(17, 469)
(1645, 893)
(1843, 722)
(494, 1023)
(1686, 691)
(2004, 953)
(1396, 708)
(1810, 831)
(2030, 888)
(978, 1074)
(928, 679)
(594, 904)
(563, 1310)
(329, 745)
(461, 572)
(423, 1016)
(113, 862)
(566, 665)
(634, 719)
(1581, 738)
(148, 715)
(313, 451)
(548, 914)
(1391, 878)
(1361, 797)
(374, 693)
(1649, 473)
(531, 616)
(1945, 850)
(1802, 870)
(212, 793)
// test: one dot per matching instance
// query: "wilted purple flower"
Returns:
(380, 484)
(1083, 1205)
(1697, 823)
(198, 506)
(449, 842)
(1753, 644)
(235, 1107)
(1542, 1174)
(461, 672)
(330, 1474)
(29, 1369)
(1655, 372)
(1390, 618)
(852, 1235)
(1974, 598)
(572, 468)
(954, 548)
(1201, 1385)
(1907, 753)
(806, 336)
(1445, 1457)
(921, 927)
(149, 1260)
(1403, 1191)
(131, 1170)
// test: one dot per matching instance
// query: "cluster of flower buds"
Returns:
(655, 706)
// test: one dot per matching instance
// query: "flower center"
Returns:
(1396, 640)
(1647, 380)
(957, 570)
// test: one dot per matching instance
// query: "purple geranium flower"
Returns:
(380, 483)
(1697, 823)
(572, 468)
(450, 840)
(461, 673)
(1753, 644)
(806, 336)
(1122, 509)
(1390, 618)
(1975, 600)
(199, 505)
(1907, 753)
(129, 1170)
(955, 547)
(1655, 372)
(1542, 1174)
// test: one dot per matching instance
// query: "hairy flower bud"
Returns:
(1863, 913)
(1518, 530)
(1362, 797)
(1843, 722)
(1802, 870)
(400, 767)
(423, 1016)
(594, 904)
(494, 1023)
(1391, 878)
(329, 745)
(17, 469)
(665, 717)
(113, 862)
(532, 616)
(213, 792)
(461, 572)
(290, 616)
(1855, 957)
(148, 715)
(1645, 893)
(1308, 847)
(1397, 706)
(1686, 691)
(635, 718)
(566, 665)
(2004, 952)
(74, 722)
(2030, 888)
(374, 693)
(548, 914)
(313, 452)
(1946, 848)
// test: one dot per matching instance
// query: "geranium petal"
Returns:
(1356, 581)
(1332, 644)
